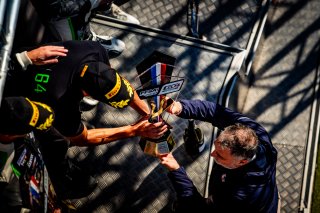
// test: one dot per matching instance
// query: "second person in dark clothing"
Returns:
(243, 177)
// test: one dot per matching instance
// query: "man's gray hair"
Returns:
(240, 139)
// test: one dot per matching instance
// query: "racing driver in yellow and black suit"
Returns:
(62, 80)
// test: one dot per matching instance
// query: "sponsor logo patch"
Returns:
(171, 87)
(35, 114)
(115, 89)
(120, 104)
(129, 88)
(48, 122)
(148, 92)
(84, 70)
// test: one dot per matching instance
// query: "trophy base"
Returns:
(157, 147)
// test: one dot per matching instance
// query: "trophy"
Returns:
(155, 74)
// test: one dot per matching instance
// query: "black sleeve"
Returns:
(53, 147)
(68, 120)
(58, 9)
(52, 141)
(14, 65)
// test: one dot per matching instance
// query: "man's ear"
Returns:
(243, 162)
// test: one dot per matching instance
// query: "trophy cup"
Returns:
(156, 81)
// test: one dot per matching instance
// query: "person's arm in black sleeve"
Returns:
(52, 143)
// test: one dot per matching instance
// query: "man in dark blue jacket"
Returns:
(243, 178)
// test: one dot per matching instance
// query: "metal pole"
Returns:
(2, 12)
(8, 30)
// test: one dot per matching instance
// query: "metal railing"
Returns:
(310, 164)
(9, 11)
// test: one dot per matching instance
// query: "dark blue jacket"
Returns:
(250, 188)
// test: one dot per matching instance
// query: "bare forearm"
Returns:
(139, 105)
(107, 135)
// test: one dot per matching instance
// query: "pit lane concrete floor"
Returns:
(280, 98)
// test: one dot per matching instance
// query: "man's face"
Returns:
(223, 157)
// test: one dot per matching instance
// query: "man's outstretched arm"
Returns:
(142, 128)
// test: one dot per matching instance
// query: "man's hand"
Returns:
(46, 54)
(150, 130)
(174, 108)
(169, 162)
